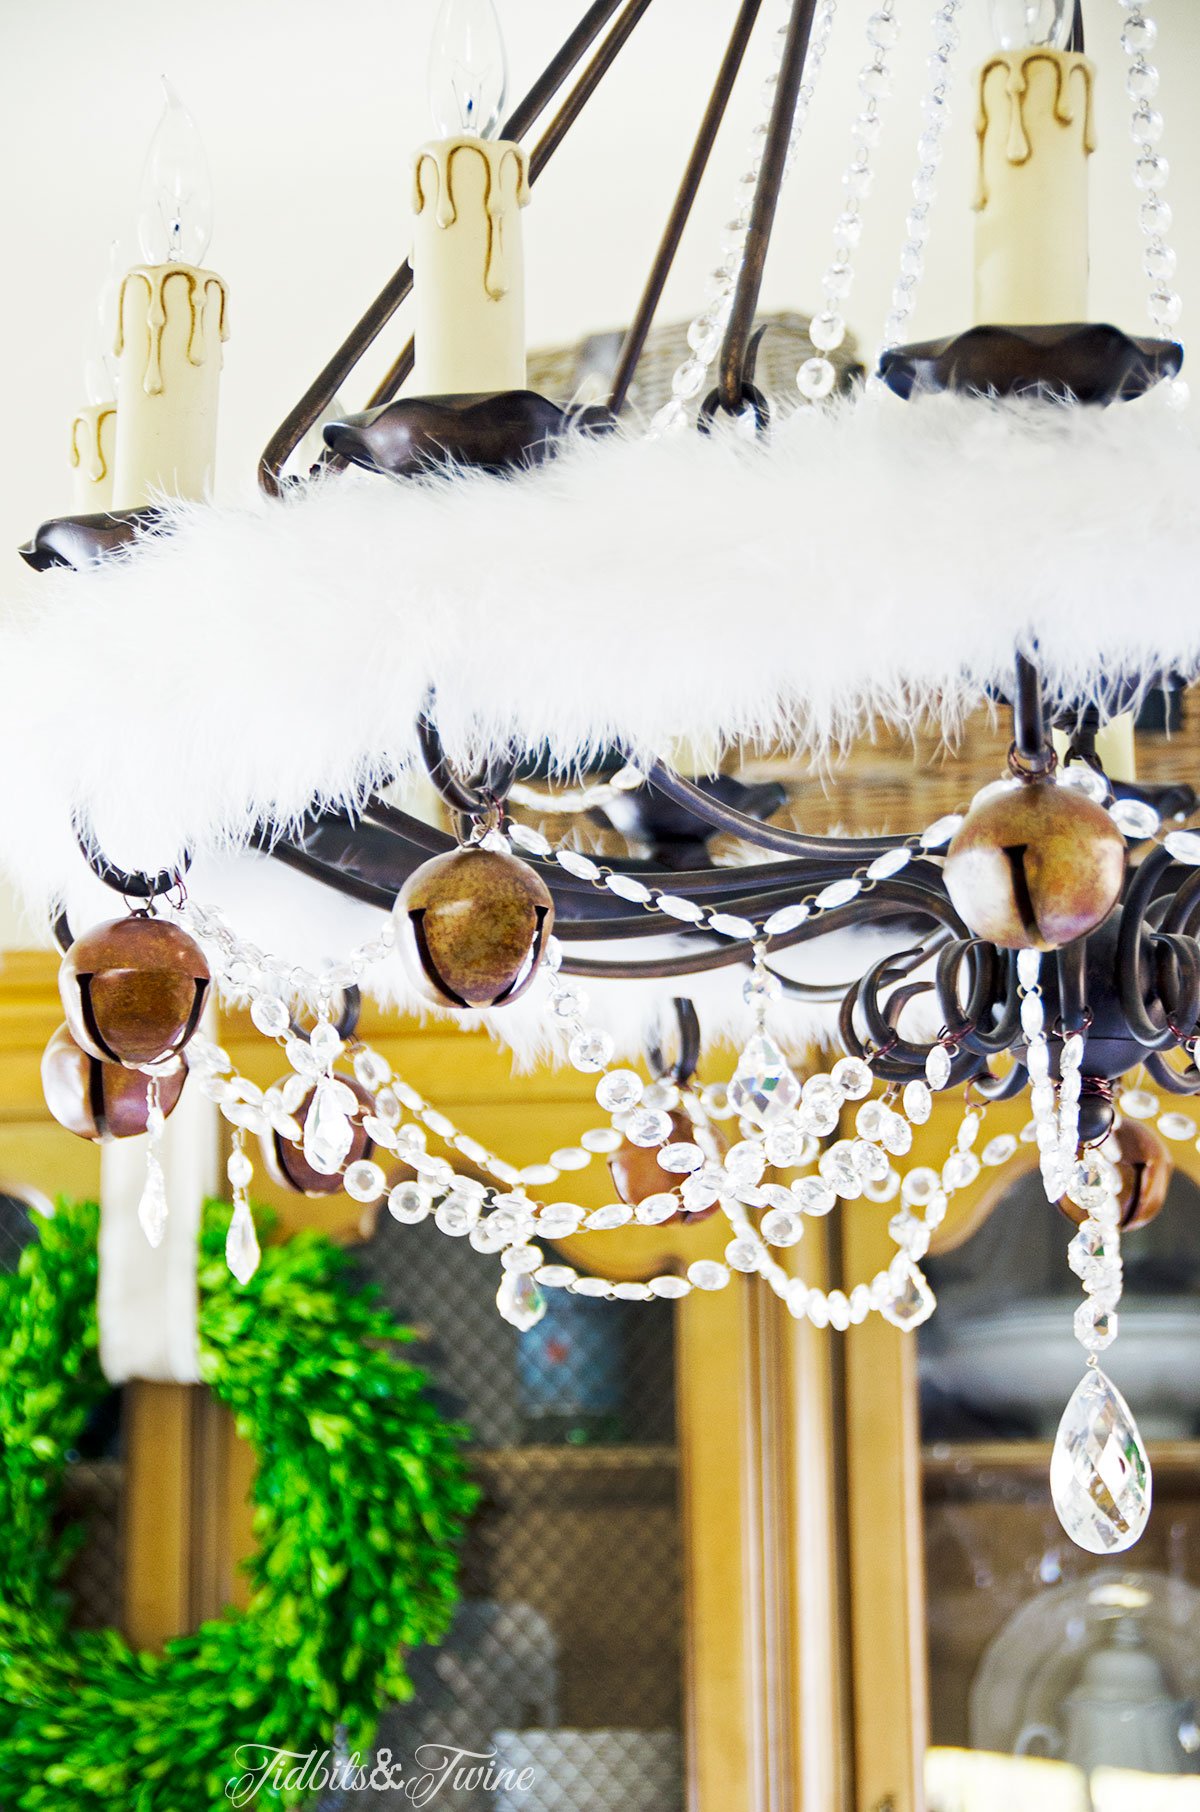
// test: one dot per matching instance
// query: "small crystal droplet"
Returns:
(763, 1084)
(1099, 1473)
(242, 1250)
(152, 1209)
(911, 1301)
(520, 1300)
(328, 1134)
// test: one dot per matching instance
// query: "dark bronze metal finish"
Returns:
(97, 1100)
(1084, 362)
(766, 201)
(706, 137)
(420, 434)
(81, 541)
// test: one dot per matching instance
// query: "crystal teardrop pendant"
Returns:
(912, 1301)
(1100, 1474)
(242, 1250)
(152, 1209)
(328, 1134)
(520, 1300)
(763, 1085)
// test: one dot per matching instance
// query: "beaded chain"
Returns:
(1151, 172)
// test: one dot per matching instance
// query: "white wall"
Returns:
(309, 111)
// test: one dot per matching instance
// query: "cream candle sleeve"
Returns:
(93, 452)
(1036, 132)
(468, 266)
(172, 322)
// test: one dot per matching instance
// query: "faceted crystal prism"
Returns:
(152, 1209)
(911, 1301)
(328, 1134)
(763, 1085)
(520, 1300)
(242, 1253)
(1099, 1474)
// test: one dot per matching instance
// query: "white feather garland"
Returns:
(874, 561)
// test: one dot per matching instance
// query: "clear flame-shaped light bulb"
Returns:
(100, 365)
(468, 71)
(174, 220)
(1032, 24)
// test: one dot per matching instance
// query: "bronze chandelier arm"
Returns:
(766, 201)
(850, 850)
(1131, 952)
(634, 342)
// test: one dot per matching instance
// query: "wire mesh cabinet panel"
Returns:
(565, 1659)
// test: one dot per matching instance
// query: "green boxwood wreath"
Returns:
(360, 1500)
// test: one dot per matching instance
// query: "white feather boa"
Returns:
(880, 560)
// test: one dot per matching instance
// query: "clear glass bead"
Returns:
(652, 1210)
(669, 1288)
(920, 1185)
(813, 1195)
(590, 1050)
(941, 831)
(742, 1255)
(648, 1127)
(677, 907)
(937, 1067)
(1095, 1326)
(787, 919)
(917, 1100)
(782, 1227)
(1184, 846)
(680, 1158)
(827, 330)
(890, 863)
(1134, 818)
(999, 1150)
(364, 1181)
(619, 1091)
(838, 1169)
(1138, 1104)
(1154, 217)
(270, 1014)
(1176, 1126)
(960, 1169)
(1138, 36)
(707, 1274)
(786, 1144)
(1151, 171)
(611, 1215)
(816, 379)
(1141, 80)
(852, 1078)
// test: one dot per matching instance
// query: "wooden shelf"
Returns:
(945, 1462)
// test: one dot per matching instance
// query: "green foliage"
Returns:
(360, 1501)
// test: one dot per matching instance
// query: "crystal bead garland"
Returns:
(704, 334)
(1151, 172)
(1055, 1116)
(816, 377)
(1099, 1474)
(935, 106)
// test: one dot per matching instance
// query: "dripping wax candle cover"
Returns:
(468, 193)
(172, 318)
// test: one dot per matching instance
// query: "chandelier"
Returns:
(547, 594)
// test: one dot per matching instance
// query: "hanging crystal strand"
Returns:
(816, 377)
(242, 1251)
(705, 332)
(1099, 1473)
(1054, 1160)
(935, 107)
(763, 1086)
(1151, 172)
(152, 1209)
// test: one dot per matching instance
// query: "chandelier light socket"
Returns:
(472, 926)
(133, 989)
(1036, 867)
(97, 1100)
